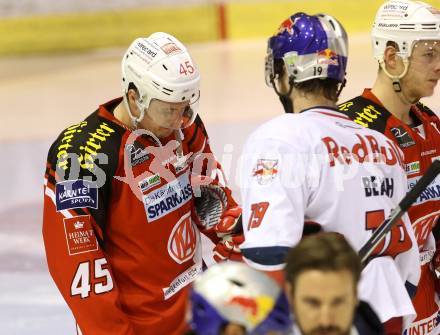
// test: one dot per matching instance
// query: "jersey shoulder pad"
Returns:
(82, 148)
(366, 113)
(350, 107)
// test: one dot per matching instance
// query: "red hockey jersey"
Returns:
(118, 227)
(421, 145)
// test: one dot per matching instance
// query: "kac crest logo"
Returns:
(183, 240)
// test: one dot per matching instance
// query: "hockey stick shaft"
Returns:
(396, 213)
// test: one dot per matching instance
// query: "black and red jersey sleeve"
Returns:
(79, 172)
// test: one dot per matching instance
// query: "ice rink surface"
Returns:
(43, 95)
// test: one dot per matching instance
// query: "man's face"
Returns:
(162, 118)
(324, 302)
(424, 70)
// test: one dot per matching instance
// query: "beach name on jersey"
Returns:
(378, 186)
(367, 149)
(168, 198)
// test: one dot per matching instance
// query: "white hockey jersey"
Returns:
(320, 168)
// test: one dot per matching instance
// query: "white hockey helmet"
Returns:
(160, 68)
(404, 22)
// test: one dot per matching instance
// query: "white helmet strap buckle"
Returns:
(396, 79)
(396, 86)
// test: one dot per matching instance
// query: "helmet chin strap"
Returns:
(134, 120)
(341, 87)
(284, 98)
(396, 81)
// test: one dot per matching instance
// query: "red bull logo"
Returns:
(255, 309)
(328, 57)
(248, 305)
(328, 53)
(266, 170)
(287, 25)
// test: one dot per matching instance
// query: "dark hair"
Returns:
(132, 86)
(393, 44)
(328, 87)
(325, 252)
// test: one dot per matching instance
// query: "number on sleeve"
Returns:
(258, 211)
(81, 281)
(81, 284)
(102, 272)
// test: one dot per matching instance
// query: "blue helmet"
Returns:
(232, 292)
(310, 46)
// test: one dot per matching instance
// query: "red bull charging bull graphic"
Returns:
(254, 308)
(328, 57)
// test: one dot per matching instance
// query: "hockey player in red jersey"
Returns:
(313, 166)
(122, 219)
(406, 43)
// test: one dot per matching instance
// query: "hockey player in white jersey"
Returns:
(313, 167)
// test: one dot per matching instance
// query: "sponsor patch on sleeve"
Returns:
(80, 235)
(76, 194)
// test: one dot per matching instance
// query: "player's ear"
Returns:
(391, 58)
(132, 95)
(132, 98)
(283, 81)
